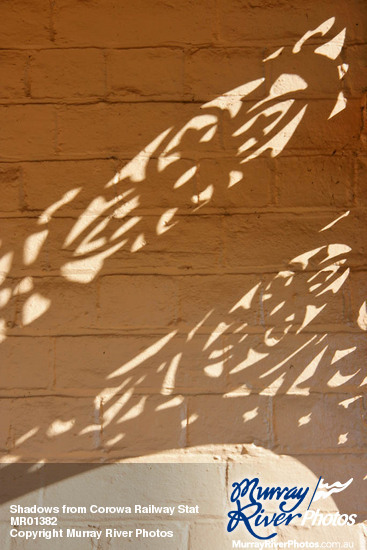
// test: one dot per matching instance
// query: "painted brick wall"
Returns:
(201, 302)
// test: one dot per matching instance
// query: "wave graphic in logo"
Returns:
(323, 490)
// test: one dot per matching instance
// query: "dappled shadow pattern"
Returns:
(205, 351)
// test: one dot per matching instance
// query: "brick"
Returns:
(212, 71)
(153, 195)
(190, 484)
(130, 416)
(296, 363)
(63, 259)
(24, 239)
(23, 481)
(235, 185)
(207, 533)
(157, 189)
(313, 181)
(125, 129)
(46, 426)
(313, 423)
(184, 246)
(67, 74)
(342, 131)
(8, 306)
(27, 132)
(201, 369)
(360, 184)
(21, 240)
(140, 357)
(156, 306)
(214, 533)
(271, 240)
(320, 74)
(239, 25)
(46, 183)
(95, 358)
(131, 25)
(5, 536)
(229, 419)
(26, 23)
(212, 300)
(151, 72)
(26, 363)
(358, 285)
(12, 75)
(179, 247)
(292, 363)
(298, 297)
(57, 306)
(355, 57)
(266, 22)
(10, 186)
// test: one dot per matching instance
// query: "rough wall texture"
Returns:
(205, 300)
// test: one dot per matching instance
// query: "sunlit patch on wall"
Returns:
(304, 419)
(250, 415)
(343, 438)
(33, 245)
(34, 307)
(59, 427)
(362, 316)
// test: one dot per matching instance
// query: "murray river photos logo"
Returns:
(250, 498)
